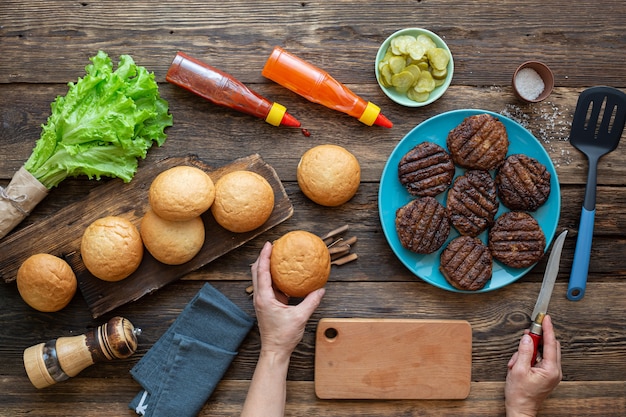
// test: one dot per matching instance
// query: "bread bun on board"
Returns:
(329, 175)
(46, 282)
(172, 242)
(111, 248)
(299, 263)
(244, 200)
(181, 193)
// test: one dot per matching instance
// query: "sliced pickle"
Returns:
(388, 54)
(426, 41)
(423, 66)
(415, 70)
(385, 75)
(438, 58)
(439, 74)
(397, 64)
(400, 44)
(403, 81)
(416, 51)
(415, 96)
(425, 83)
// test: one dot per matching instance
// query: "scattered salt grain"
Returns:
(529, 83)
(551, 124)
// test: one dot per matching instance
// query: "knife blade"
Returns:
(543, 300)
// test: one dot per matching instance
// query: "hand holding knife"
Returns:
(541, 306)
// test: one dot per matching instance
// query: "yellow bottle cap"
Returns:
(275, 115)
(370, 114)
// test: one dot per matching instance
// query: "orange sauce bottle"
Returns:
(318, 86)
(225, 90)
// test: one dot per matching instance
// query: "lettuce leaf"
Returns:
(102, 125)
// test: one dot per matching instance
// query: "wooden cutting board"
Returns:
(61, 233)
(393, 359)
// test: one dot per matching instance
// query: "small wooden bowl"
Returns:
(546, 75)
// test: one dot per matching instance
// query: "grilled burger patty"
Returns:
(466, 263)
(422, 225)
(473, 202)
(426, 170)
(523, 183)
(516, 239)
(479, 142)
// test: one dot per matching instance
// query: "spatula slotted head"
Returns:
(599, 120)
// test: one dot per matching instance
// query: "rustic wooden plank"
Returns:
(110, 396)
(590, 330)
(576, 49)
(361, 214)
(196, 122)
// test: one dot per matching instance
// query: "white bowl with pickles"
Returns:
(414, 67)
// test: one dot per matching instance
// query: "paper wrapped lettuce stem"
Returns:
(18, 199)
(101, 126)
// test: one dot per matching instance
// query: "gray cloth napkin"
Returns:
(179, 373)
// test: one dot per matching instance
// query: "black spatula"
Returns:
(596, 130)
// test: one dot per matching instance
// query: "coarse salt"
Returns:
(529, 84)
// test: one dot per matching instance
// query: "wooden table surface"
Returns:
(46, 44)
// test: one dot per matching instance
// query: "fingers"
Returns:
(525, 351)
(516, 354)
(311, 302)
(512, 361)
(261, 277)
(549, 340)
(551, 347)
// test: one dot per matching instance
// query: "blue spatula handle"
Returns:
(580, 266)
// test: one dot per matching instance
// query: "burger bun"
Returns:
(329, 175)
(181, 193)
(244, 200)
(172, 242)
(111, 248)
(46, 282)
(299, 263)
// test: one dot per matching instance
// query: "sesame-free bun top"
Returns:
(299, 263)
(181, 193)
(111, 248)
(172, 242)
(46, 282)
(244, 200)
(329, 175)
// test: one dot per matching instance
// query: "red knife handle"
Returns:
(536, 336)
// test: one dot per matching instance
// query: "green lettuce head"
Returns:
(102, 125)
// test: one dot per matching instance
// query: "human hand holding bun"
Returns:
(329, 175)
(46, 282)
(299, 263)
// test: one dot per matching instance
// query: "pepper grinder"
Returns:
(59, 359)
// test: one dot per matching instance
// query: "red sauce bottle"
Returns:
(224, 90)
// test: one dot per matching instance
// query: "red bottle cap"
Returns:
(383, 121)
(278, 116)
(290, 121)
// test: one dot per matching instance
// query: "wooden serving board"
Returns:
(393, 359)
(61, 233)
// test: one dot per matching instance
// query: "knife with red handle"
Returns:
(541, 306)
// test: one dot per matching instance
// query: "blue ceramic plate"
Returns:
(393, 195)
